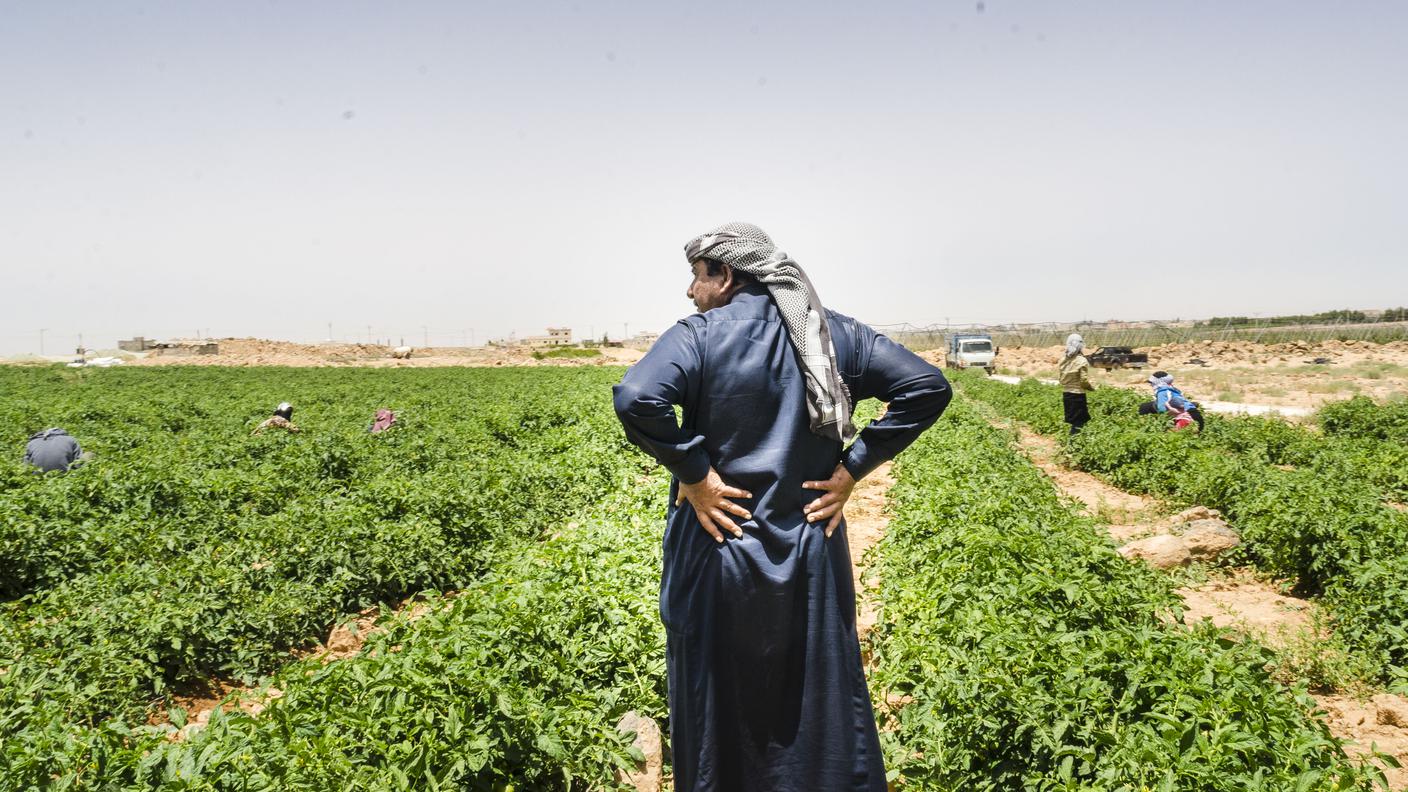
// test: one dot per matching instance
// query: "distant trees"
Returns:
(1342, 316)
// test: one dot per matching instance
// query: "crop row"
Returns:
(1359, 441)
(1323, 524)
(1017, 650)
(176, 467)
(315, 525)
(516, 682)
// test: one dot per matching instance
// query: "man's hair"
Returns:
(715, 269)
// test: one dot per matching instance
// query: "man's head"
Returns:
(714, 283)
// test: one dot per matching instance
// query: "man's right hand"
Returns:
(710, 498)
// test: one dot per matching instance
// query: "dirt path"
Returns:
(1241, 602)
(1237, 600)
(866, 521)
(1111, 504)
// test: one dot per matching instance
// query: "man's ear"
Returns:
(729, 280)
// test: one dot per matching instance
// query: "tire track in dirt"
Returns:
(1238, 601)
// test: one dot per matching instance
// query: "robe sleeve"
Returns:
(916, 391)
(645, 402)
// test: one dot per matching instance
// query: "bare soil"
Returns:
(262, 352)
(866, 521)
(1099, 499)
(1240, 601)
(1279, 375)
(1374, 724)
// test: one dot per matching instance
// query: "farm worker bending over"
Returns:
(281, 419)
(766, 688)
(383, 421)
(1075, 383)
(52, 449)
(1178, 410)
(1164, 392)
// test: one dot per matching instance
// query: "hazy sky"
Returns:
(268, 168)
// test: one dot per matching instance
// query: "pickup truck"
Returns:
(1117, 357)
(970, 350)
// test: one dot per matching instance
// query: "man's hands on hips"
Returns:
(838, 491)
(710, 498)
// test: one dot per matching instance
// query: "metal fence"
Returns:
(1096, 334)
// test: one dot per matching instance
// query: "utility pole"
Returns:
(42, 330)
(369, 334)
(329, 331)
(625, 330)
(425, 336)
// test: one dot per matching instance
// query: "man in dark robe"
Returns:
(766, 688)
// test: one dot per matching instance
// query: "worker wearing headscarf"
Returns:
(1075, 383)
(766, 688)
(383, 420)
(281, 419)
(1164, 394)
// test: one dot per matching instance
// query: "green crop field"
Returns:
(1014, 649)
(1322, 509)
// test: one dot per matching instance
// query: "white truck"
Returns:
(970, 350)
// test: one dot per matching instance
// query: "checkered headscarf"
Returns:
(746, 248)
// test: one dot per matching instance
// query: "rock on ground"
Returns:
(647, 777)
(1199, 540)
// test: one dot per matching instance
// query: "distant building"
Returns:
(138, 344)
(642, 340)
(556, 337)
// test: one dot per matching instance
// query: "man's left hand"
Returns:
(838, 491)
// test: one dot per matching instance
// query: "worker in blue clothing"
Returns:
(52, 449)
(1164, 390)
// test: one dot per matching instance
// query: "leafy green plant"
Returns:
(1308, 508)
(516, 682)
(188, 550)
(1360, 417)
(1017, 650)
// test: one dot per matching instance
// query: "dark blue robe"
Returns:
(767, 692)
